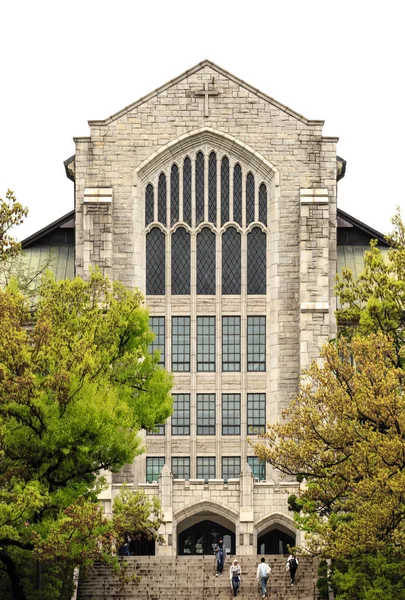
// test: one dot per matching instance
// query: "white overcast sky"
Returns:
(63, 63)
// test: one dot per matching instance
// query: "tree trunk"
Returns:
(18, 592)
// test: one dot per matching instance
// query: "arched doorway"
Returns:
(201, 537)
(275, 541)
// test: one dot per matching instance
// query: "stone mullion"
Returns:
(168, 198)
(193, 358)
(218, 222)
(181, 191)
(243, 197)
(231, 168)
(218, 350)
(155, 199)
(206, 163)
(192, 161)
(257, 186)
(168, 342)
(243, 366)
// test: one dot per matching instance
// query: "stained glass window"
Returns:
(206, 414)
(256, 261)
(258, 467)
(174, 194)
(256, 343)
(149, 204)
(263, 204)
(155, 262)
(154, 464)
(181, 467)
(199, 188)
(181, 344)
(237, 194)
(230, 467)
(181, 262)
(224, 190)
(206, 253)
(205, 343)
(162, 201)
(231, 262)
(256, 413)
(212, 188)
(230, 414)
(181, 414)
(250, 199)
(187, 190)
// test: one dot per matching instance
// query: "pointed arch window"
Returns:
(206, 241)
(224, 190)
(263, 204)
(199, 188)
(149, 204)
(162, 202)
(212, 188)
(181, 262)
(155, 262)
(256, 261)
(231, 262)
(250, 199)
(187, 190)
(174, 194)
(237, 194)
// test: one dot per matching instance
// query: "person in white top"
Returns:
(263, 573)
(234, 576)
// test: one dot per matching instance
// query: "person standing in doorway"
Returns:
(234, 576)
(220, 553)
(291, 567)
(263, 574)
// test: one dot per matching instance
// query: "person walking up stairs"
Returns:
(263, 574)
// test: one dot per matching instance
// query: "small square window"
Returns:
(230, 467)
(206, 414)
(181, 414)
(154, 464)
(256, 413)
(206, 467)
(230, 414)
(181, 467)
(258, 467)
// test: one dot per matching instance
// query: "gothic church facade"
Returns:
(219, 203)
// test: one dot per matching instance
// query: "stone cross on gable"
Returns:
(206, 93)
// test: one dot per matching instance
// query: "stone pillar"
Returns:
(165, 497)
(314, 273)
(246, 513)
(97, 230)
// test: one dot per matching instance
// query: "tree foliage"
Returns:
(75, 389)
(344, 434)
(12, 213)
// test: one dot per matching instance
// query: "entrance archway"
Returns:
(275, 541)
(201, 538)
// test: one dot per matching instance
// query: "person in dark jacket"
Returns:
(220, 554)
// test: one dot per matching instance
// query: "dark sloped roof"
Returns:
(62, 222)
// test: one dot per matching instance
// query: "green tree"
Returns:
(75, 389)
(12, 213)
(343, 435)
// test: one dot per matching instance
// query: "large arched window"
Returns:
(212, 188)
(162, 202)
(231, 262)
(263, 204)
(237, 194)
(256, 261)
(199, 188)
(206, 240)
(181, 262)
(149, 204)
(174, 194)
(250, 199)
(187, 190)
(155, 262)
(224, 190)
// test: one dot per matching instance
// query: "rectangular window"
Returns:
(256, 413)
(230, 467)
(206, 414)
(230, 414)
(206, 467)
(157, 324)
(258, 467)
(181, 467)
(158, 430)
(154, 464)
(181, 414)
(231, 343)
(256, 343)
(205, 343)
(181, 344)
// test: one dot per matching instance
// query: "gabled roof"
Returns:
(61, 222)
(346, 220)
(220, 71)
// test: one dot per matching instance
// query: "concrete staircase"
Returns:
(193, 578)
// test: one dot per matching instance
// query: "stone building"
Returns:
(220, 204)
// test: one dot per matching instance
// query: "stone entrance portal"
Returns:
(201, 538)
